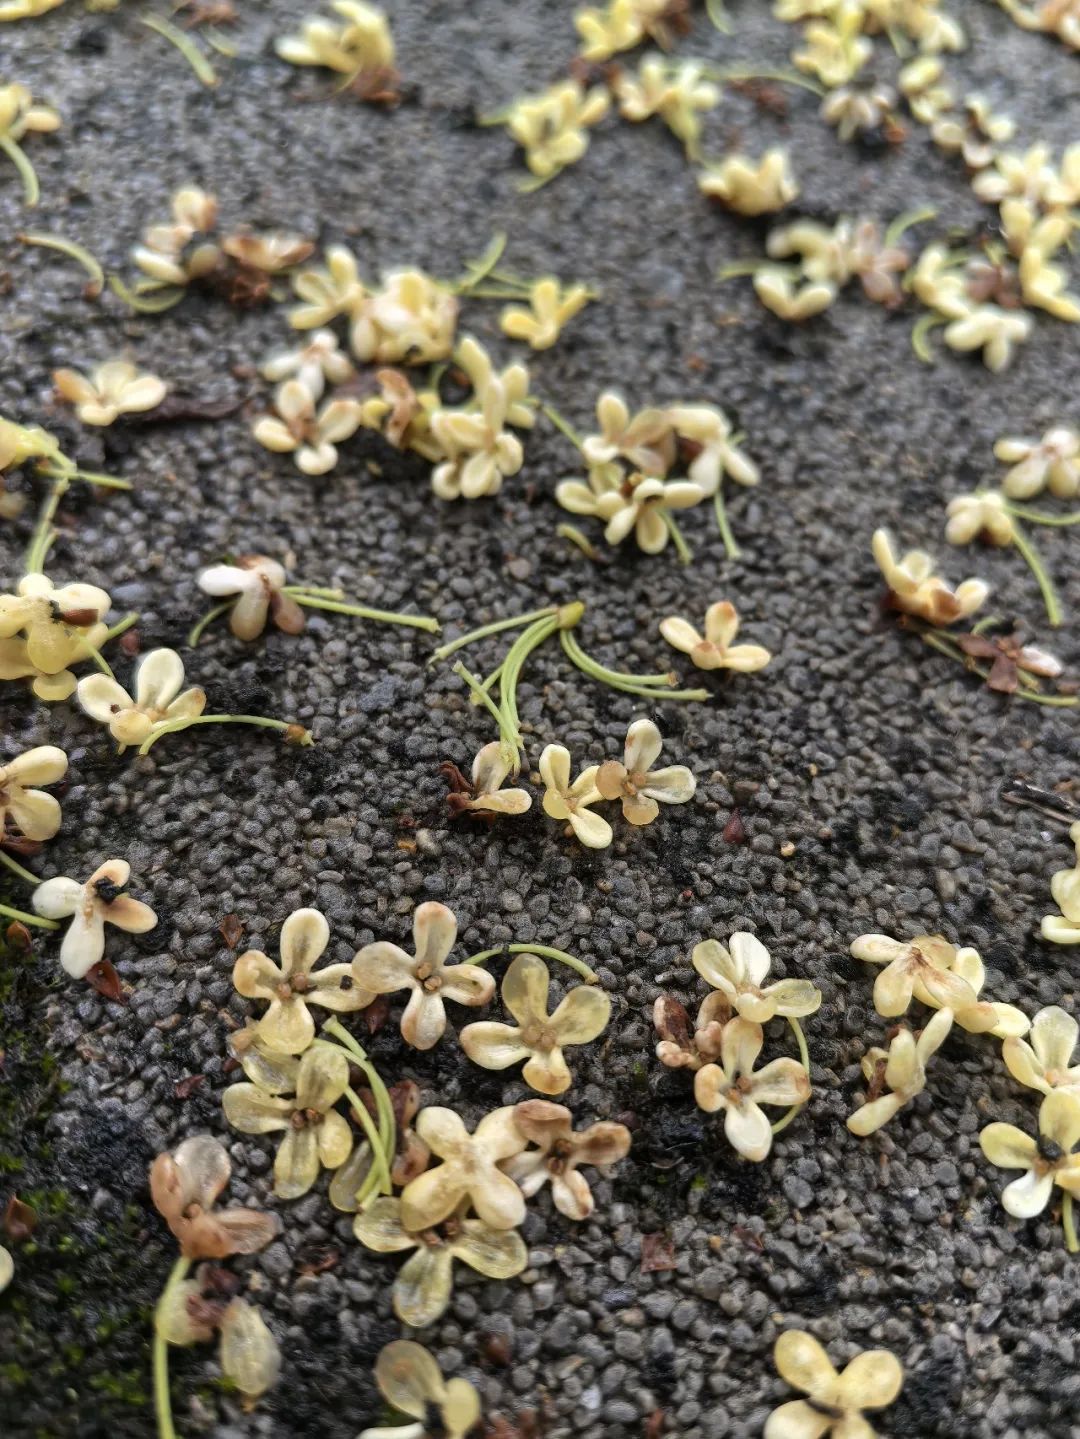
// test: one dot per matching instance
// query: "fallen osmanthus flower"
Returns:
(572, 801)
(384, 968)
(623, 24)
(101, 900)
(35, 814)
(678, 1048)
(1009, 658)
(938, 974)
(410, 1381)
(315, 364)
(185, 1185)
(160, 706)
(361, 48)
(550, 307)
(864, 107)
(835, 1402)
(538, 1037)
(59, 627)
(552, 127)
(634, 782)
(310, 435)
(479, 449)
(676, 91)
(715, 649)
(750, 188)
(559, 1153)
(291, 986)
(483, 795)
(739, 970)
(917, 590)
(469, 1170)
(902, 1069)
(424, 1284)
(1048, 1160)
(114, 388)
(1052, 463)
(1043, 1061)
(734, 1086)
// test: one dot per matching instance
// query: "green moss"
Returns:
(128, 1386)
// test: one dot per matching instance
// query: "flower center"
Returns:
(107, 890)
(537, 1035)
(429, 977)
(306, 1118)
(1050, 1152)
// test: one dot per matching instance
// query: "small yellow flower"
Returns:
(159, 677)
(676, 93)
(1047, 1161)
(362, 46)
(1064, 928)
(738, 972)
(550, 306)
(835, 1402)
(903, 1068)
(749, 188)
(625, 23)
(1052, 463)
(836, 50)
(537, 1037)
(633, 780)
(734, 1086)
(551, 127)
(410, 1380)
(311, 437)
(329, 290)
(61, 624)
(469, 1170)
(714, 650)
(560, 1152)
(173, 253)
(915, 589)
(779, 293)
(35, 814)
(411, 320)
(984, 515)
(102, 900)
(115, 388)
(1044, 1060)
(572, 802)
(19, 115)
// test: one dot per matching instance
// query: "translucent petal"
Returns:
(797, 1420)
(273, 1072)
(876, 948)
(716, 966)
(782, 1081)
(287, 1025)
(872, 1380)
(543, 1123)
(674, 785)
(379, 1227)
(296, 1165)
(493, 1045)
(383, 968)
(489, 769)
(497, 1200)
(202, 1170)
(495, 1253)
(409, 1378)
(740, 1047)
(429, 1198)
(904, 1071)
(250, 1356)
(322, 1077)
(422, 1287)
(1053, 1037)
(1059, 1117)
(158, 678)
(643, 746)
(84, 943)
(750, 955)
(582, 1015)
(1024, 1064)
(803, 1363)
(547, 1072)
(130, 915)
(304, 937)
(36, 813)
(555, 767)
(434, 933)
(255, 975)
(347, 1180)
(893, 989)
(335, 1140)
(571, 1195)
(525, 988)
(172, 1317)
(795, 997)
(253, 1111)
(748, 1130)
(424, 1019)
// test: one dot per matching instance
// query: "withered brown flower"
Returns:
(1008, 655)
(184, 1186)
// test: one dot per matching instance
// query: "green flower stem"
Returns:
(378, 1157)
(79, 253)
(16, 868)
(91, 477)
(1039, 570)
(718, 16)
(121, 626)
(783, 77)
(919, 332)
(200, 626)
(18, 157)
(577, 965)
(10, 913)
(575, 536)
(515, 659)
(632, 684)
(907, 221)
(44, 534)
(90, 652)
(383, 1105)
(943, 646)
(481, 268)
(496, 627)
(735, 269)
(733, 551)
(1040, 517)
(489, 680)
(204, 71)
(162, 1402)
(388, 617)
(682, 549)
(322, 591)
(804, 1059)
(510, 738)
(562, 425)
(986, 623)
(164, 727)
(166, 296)
(1068, 1223)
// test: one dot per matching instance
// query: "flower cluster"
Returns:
(810, 263)
(552, 127)
(361, 48)
(715, 649)
(629, 483)
(631, 780)
(45, 630)
(1052, 17)
(675, 92)
(729, 1036)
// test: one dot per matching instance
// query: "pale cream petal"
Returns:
(383, 968)
(44, 764)
(748, 1130)
(287, 1025)
(674, 785)
(498, 1134)
(227, 580)
(1053, 1037)
(747, 659)
(872, 1380)
(741, 1046)
(36, 813)
(680, 634)
(424, 1020)
(721, 624)
(379, 1227)
(525, 988)
(422, 1289)
(252, 1111)
(489, 768)
(783, 1082)
(172, 1317)
(643, 746)
(441, 1130)
(893, 988)
(803, 1363)
(101, 697)
(797, 1420)
(430, 1197)
(460, 1409)
(903, 1070)
(434, 933)
(255, 975)
(554, 768)
(1024, 1064)
(750, 956)
(498, 1201)
(322, 1077)
(493, 1045)
(335, 1140)
(467, 984)
(709, 1084)
(1027, 1196)
(795, 997)
(876, 948)
(304, 937)
(717, 966)
(572, 1196)
(296, 1165)
(1059, 1118)
(876, 1112)
(593, 830)
(409, 1378)
(1008, 1147)
(250, 1356)
(158, 678)
(84, 943)
(547, 1072)
(582, 1015)
(130, 915)
(345, 1185)
(495, 1253)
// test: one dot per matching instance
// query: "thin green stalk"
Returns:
(730, 545)
(719, 17)
(1068, 1223)
(121, 626)
(324, 592)
(44, 534)
(510, 738)
(576, 537)
(383, 1104)
(200, 626)
(906, 221)
(204, 71)
(678, 539)
(91, 477)
(615, 679)
(943, 646)
(91, 652)
(162, 1401)
(10, 913)
(496, 627)
(167, 296)
(378, 1158)
(494, 292)
(16, 868)
(1039, 570)
(515, 659)
(986, 623)
(735, 269)
(164, 727)
(79, 253)
(18, 157)
(783, 77)
(562, 425)
(919, 332)
(479, 269)
(1040, 517)
(363, 612)
(804, 1059)
(545, 950)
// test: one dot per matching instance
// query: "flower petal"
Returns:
(803, 1363)
(717, 966)
(252, 1111)
(592, 830)
(1027, 1196)
(422, 1289)
(643, 746)
(525, 988)
(1008, 1147)
(431, 1196)
(674, 785)
(384, 968)
(101, 697)
(750, 955)
(872, 1380)
(57, 898)
(424, 1020)
(797, 1420)
(409, 1378)
(304, 937)
(1053, 1037)
(250, 1356)
(680, 634)
(296, 1165)
(493, 1045)
(158, 679)
(582, 1015)
(287, 1025)
(547, 1072)
(322, 1077)
(748, 1130)
(379, 1227)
